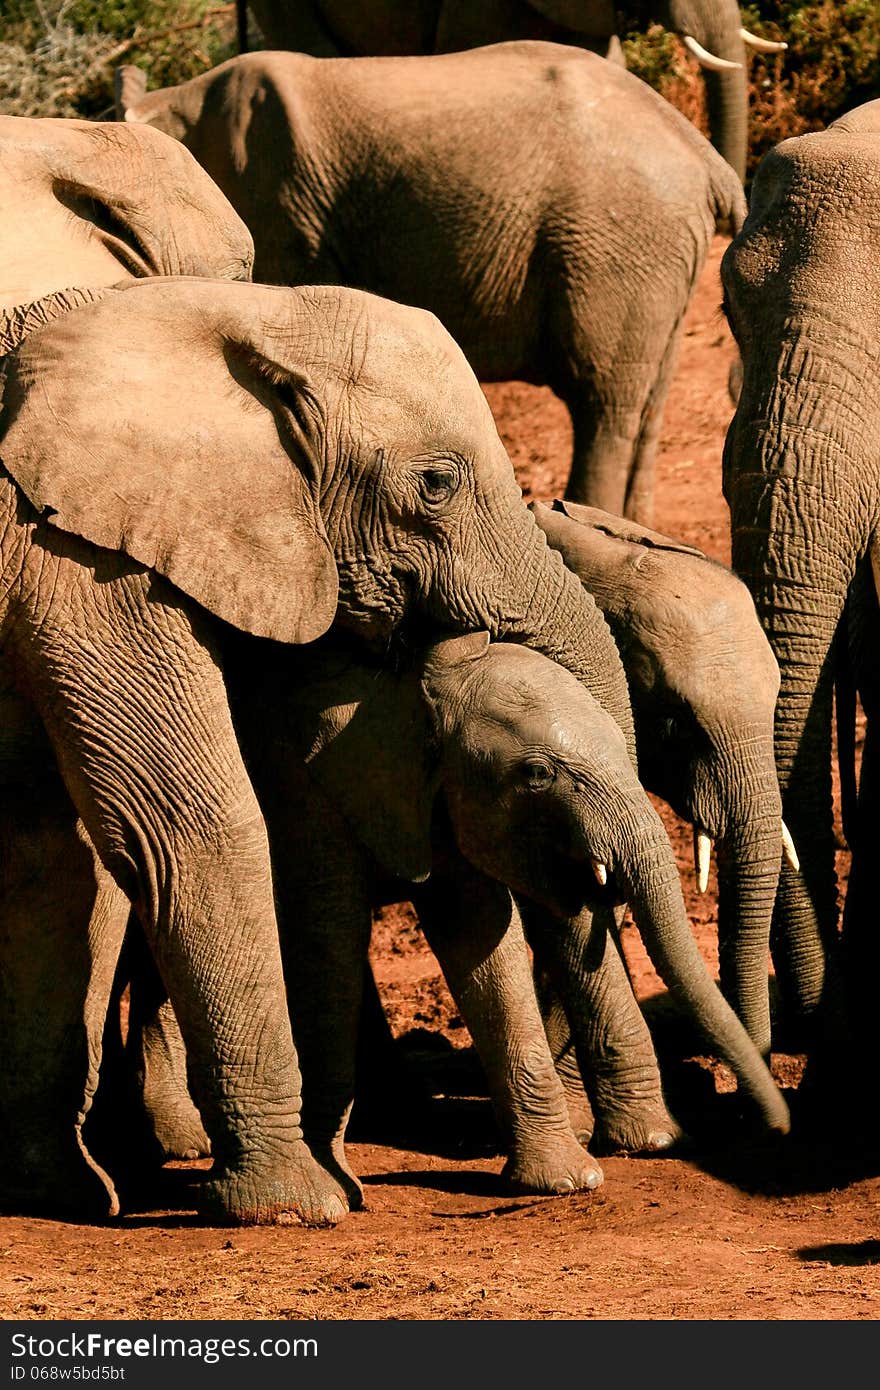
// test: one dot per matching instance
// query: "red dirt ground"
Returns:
(729, 1229)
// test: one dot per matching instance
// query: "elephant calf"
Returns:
(703, 682)
(547, 206)
(485, 767)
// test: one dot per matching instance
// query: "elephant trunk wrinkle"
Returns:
(658, 907)
(561, 620)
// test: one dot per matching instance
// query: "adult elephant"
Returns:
(549, 208)
(712, 31)
(703, 682)
(802, 478)
(187, 450)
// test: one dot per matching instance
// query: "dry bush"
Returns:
(832, 64)
(59, 55)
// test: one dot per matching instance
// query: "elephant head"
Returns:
(88, 204)
(802, 471)
(541, 794)
(285, 457)
(703, 682)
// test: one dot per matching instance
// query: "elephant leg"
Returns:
(156, 1057)
(639, 502)
(607, 422)
(593, 1019)
(145, 743)
(564, 1054)
(474, 928)
(62, 920)
(324, 898)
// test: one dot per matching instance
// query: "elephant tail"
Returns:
(728, 198)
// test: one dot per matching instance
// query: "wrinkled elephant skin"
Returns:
(504, 190)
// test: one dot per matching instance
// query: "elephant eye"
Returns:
(437, 483)
(536, 774)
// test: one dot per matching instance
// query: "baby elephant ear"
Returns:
(154, 423)
(453, 651)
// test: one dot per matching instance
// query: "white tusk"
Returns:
(600, 871)
(707, 59)
(762, 45)
(702, 854)
(789, 849)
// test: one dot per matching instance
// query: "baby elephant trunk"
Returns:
(653, 889)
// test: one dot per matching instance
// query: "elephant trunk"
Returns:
(727, 106)
(557, 617)
(715, 25)
(651, 883)
(749, 858)
(799, 523)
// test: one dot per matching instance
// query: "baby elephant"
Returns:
(487, 766)
(546, 205)
(703, 683)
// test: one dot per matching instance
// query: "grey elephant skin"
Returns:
(84, 206)
(703, 682)
(333, 458)
(802, 478)
(548, 207)
(344, 28)
(93, 204)
(484, 768)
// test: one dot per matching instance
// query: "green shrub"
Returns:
(58, 56)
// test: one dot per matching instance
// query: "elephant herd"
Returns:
(281, 640)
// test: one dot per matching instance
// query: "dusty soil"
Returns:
(728, 1228)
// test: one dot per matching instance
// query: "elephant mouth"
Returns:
(573, 887)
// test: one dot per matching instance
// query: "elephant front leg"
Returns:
(597, 1032)
(474, 928)
(62, 920)
(323, 894)
(146, 746)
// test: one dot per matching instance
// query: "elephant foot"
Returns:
(334, 1160)
(580, 1115)
(639, 1130)
(554, 1166)
(180, 1135)
(299, 1190)
(67, 1184)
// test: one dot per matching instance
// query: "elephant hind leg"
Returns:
(614, 441)
(639, 501)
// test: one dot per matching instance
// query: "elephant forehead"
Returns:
(815, 205)
(523, 699)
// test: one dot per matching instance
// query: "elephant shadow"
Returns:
(845, 1253)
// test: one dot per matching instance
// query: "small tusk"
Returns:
(789, 849)
(702, 854)
(761, 45)
(600, 871)
(707, 59)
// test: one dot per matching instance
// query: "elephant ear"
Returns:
(618, 527)
(174, 421)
